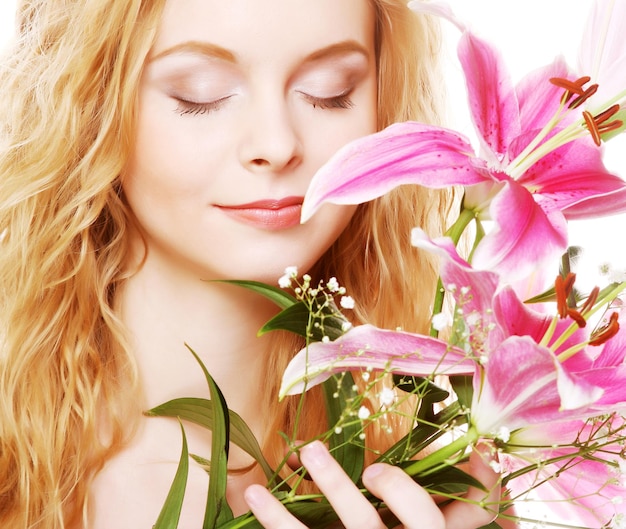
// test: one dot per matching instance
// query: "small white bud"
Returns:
(364, 413)
(347, 302)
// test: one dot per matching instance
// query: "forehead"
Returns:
(266, 30)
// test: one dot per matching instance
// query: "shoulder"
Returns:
(131, 489)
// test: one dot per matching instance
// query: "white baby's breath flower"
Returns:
(346, 326)
(284, 281)
(347, 302)
(441, 321)
(387, 397)
(504, 434)
(333, 284)
(291, 271)
(364, 413)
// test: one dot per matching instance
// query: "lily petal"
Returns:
(493, 102)
(610, 203)
(403, 153)
(581, 492)
(602, 53)
(517, 372)
(510, 248)
(539, 99)
(440, 9)
(571, 175)
(366, 346)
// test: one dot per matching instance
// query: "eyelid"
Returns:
(186, 107)
(339, 101)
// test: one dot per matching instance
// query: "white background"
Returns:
(529, 34)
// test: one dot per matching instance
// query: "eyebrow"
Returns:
(218, 52)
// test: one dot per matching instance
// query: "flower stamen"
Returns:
(592, 127)
(563, 287)
(597, 125)
(576, 102)
(571, 87)
(606, 332)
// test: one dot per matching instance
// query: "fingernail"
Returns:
(314, 455)
(373, 471)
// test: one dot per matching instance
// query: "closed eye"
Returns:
(187, 108)
(341, 101)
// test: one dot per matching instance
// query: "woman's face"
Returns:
(240, 103)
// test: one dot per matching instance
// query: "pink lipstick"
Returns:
(271, 214)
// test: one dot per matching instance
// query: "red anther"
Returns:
(584, 96)
(608, 113)
(613, 125)
(562, 288)
(590, 301)
(577, 317)
(574, 87)
(592, 127)
(605, 333)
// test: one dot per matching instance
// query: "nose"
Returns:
(270, 139)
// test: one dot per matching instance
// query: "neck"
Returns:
(164, 312)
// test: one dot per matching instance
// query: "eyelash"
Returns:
(341, 101)
(190, 108)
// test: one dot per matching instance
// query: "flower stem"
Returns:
(432, 461)
(454, 232)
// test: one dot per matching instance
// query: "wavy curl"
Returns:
(68, 380)
(69, 86)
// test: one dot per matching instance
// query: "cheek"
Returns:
(325, 228)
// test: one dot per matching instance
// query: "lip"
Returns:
(268, 214)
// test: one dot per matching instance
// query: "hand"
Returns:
(411, 504)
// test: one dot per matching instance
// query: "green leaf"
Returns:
(428, 393)
(298, 319)
(462, 385)
(217, 509)
(492, 525)
(200, 412)
(449, 480)
(338, 390)
(274, 294)
(170, 512)
(422, 435)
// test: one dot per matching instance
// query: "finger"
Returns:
(409, 502)
(268, 510)
(482, 505)
(353, 509)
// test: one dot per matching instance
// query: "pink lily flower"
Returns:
(368, 347)
(528, 375)
(528, 178)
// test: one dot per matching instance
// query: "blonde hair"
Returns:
(69, 86)
(67, 113)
